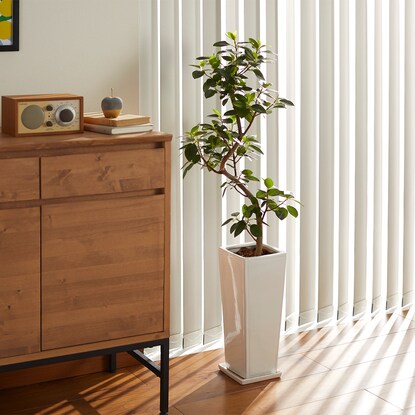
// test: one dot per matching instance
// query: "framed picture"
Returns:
(9, 25)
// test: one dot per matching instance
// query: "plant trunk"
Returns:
(258, 247)
(259, 241)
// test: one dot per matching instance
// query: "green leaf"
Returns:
(197, 74)
(209, 93)
(259, 74)
(275, 192)
(260, 194)
(209, 83)
(255, 230)
(240, 227)
(232, 35)
(235, 214)
(247, 172)
(249, 54)
(186, 170)
(256, 148)
(255, 43)
(286, 101)
(292, 210)
(259, 108)
(227, 221)
(190, 152)
(194, 130)
(271, 204)
(281, 213)
(221, 43)
(247, 211)
(269, 183)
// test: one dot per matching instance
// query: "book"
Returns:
(121, 120)
(127, 129)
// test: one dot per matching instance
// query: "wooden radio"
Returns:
(44, 114)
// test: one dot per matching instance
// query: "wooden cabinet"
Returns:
(84, 243)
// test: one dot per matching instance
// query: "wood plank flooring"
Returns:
(360, 368)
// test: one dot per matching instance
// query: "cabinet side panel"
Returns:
(8, 117)
(103, 270)
(167, 237)
(19, 282)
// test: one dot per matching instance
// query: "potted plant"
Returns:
(252, 274)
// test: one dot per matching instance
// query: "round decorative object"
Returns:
(33, 117)
(111, 106)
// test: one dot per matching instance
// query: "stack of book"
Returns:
(123, 124)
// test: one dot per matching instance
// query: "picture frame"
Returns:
(9, 25)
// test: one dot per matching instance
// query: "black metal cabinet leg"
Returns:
(164, 377)
(112, 362)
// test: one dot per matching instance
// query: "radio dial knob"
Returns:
(65, 115)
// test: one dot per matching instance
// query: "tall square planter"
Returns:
(252, 294)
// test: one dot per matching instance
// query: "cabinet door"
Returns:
(103, 270)
(19, 281)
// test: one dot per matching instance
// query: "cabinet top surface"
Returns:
(86, 139)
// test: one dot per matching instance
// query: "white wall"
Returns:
(75, 46)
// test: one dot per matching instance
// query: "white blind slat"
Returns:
(345, 236)
(326, 162)
(231, 22)
(409, 185)
(394, 199)
(168, 94)
(192, 195)
(273, 73)
(360, 265)
(308, 231)
(378, 300)
(286, 121)
(212, 214)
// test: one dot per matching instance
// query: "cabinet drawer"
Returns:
(19, 179)
(101, 173)
(103, 270)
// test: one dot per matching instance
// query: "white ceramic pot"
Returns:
(252, 293)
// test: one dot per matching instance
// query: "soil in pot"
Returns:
(248, 251)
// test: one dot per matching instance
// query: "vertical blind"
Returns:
(346, 150)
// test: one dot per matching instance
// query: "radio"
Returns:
(42, 114)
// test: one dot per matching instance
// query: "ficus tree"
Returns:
(234, 74)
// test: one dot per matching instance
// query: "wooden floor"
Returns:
(363, 368)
